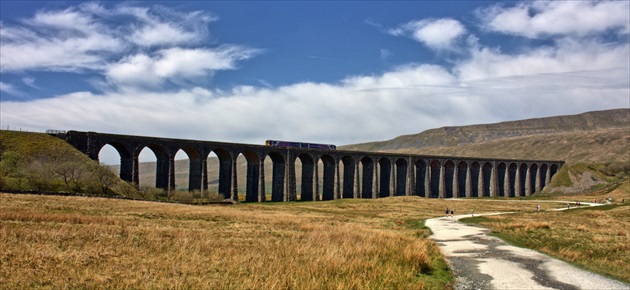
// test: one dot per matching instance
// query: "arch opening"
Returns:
(462, 169)
(348, 177)
(305, 165)
(385, 177)
(486, 177)
(328, 177)
(474, 179)
(501, 181)
(449, 171)
(367, 177)
(401, 177)
(435, 179)
(421, 174)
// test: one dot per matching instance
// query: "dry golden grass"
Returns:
(77, 242)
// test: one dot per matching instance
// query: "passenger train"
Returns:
(276, 143)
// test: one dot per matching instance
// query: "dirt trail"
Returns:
(483, 262)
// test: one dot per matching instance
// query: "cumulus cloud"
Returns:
(437, 34)
(85, 37)
(175, 63)
(546, 18)
(488, 86)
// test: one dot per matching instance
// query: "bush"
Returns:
(181, 196)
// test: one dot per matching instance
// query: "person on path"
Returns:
(472, 212)
(538, 207)
(452, 212)
(447, 211)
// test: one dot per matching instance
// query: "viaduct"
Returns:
(346, 174)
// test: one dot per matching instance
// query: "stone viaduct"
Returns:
(346, 174)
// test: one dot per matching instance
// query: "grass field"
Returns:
(79, 242)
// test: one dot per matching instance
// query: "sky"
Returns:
(336, 72)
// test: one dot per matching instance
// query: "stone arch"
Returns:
(449, 171)
(252, 179)
(554, 169)
(194, 167)
(367, 183)
(522, 182)
(501, 181)
(475, 172)
(421, 175)
(278, 176)
(401, 177)
(126, 160)
(328, 179)
(511, 178)
(225, 172)
(462, 179)
(434, 185)
(533, 172)
(162, 163)
(385, 177)
(348, 176)
(308, 170)
(543, 175)
(486, 172)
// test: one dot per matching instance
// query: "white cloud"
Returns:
(546, 18)
(163, 27)
(486, 87)
(175, 64)
(29, 81)
(437, 34)
(9, 89)
(89, 37)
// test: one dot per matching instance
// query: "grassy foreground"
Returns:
(79, 242)
(595, 238)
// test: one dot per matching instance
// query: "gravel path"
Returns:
(483, 262)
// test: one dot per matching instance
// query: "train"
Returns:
(276, 143)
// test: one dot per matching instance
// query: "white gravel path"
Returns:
(483, 262)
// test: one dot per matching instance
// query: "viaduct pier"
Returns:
(344, 174)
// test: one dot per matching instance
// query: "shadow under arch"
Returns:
(278, 176)
(421, 175)
(328, 182)
(252, 179)
(348, 176)
(462, 189)
(367, 184)
(224, 180)
(308, 170)
(385, 176)
(401, 177)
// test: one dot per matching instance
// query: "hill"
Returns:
(43, 163)
(600, 136)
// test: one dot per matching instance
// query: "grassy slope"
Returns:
(52, 153)
(39, 146)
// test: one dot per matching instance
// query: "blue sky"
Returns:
(329, 72)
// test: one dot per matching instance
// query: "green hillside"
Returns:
(43, 163)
